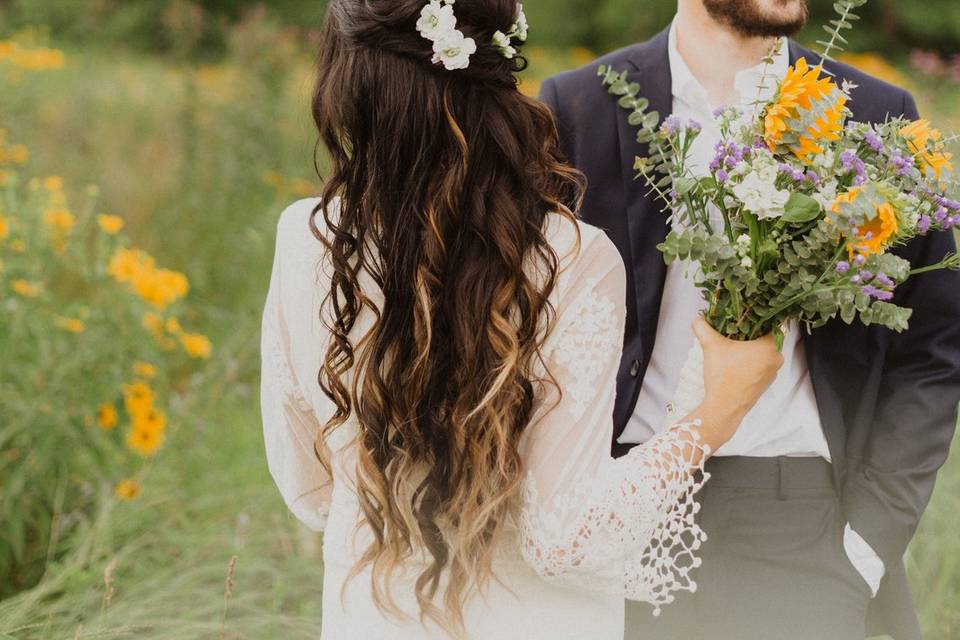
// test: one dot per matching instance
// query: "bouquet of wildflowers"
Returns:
(800, 212)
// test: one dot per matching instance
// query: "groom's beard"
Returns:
(760, 18)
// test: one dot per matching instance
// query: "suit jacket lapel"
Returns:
(646, 220)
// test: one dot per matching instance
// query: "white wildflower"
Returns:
(454, 50)
(437, 21)
(761, 197)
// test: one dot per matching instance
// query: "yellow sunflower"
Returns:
(920, 137)
(873, 235)
(800, 90)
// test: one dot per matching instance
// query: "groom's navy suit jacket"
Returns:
(888, 402)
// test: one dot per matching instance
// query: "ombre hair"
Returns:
(439, 187)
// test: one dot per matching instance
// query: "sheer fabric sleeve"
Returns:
(290, 424)
(625, 526)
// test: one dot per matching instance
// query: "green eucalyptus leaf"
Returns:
(801, 208)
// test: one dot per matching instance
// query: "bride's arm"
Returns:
(622, 526)
(290, 425)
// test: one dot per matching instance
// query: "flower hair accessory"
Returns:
(451, 47)
(518, 30)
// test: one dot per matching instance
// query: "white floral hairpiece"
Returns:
(518, 30)
(438, 24)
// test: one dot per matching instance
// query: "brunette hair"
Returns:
(438, 192)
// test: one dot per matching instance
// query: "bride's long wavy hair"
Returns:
(439, 186)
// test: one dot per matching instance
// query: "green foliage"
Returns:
(890, 25)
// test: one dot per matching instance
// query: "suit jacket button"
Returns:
(635, 369)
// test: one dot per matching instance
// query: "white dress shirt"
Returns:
(786, 420)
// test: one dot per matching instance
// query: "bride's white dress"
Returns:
(589, 530)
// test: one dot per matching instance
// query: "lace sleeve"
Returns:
(626, 527)
(290, 426)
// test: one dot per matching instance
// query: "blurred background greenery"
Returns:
(189, 120)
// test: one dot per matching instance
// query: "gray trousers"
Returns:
(774, 566)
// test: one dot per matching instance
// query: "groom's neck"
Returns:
(715, 52)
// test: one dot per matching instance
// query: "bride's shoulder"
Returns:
(296, 218)
(581, 246)
(295, 235)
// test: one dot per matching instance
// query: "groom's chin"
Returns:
(760, 18)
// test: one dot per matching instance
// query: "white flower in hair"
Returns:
(454, 50)
(436, 20)
(521, 27)
(502, 42)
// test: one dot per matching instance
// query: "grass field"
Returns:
(199, 160)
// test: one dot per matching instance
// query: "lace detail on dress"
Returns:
(587, 337)
(276, 370)
(630, 530)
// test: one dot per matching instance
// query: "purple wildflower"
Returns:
(856, 279)
(873, 141)
(877, 294)
(940, 215)
(884, 281)
(923, 225)
(672, 125)
(947, 203)
(859, 260)
(852, 164)
(694, 126)
(813, 177)
(718, 112)
(722, 176)
(843, 267)
(903, 166)
(866, 276)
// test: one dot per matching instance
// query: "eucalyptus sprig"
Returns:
(845, 11)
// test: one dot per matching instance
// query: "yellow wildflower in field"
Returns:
(153, 421)
(107, 417)
(19, 154)
(196, 345)
(26, 289)
(273, 178)
(303, 188)
(18, 246)
(160, 287)
(127, 490)
(53, 183)
(111, 225)
(73, 325)
(925, 142)
(174, 326)
(154, 324)
(145, 370)
(59, 220)
(127, 263)
(4, 228)
(145, 442)
(138, 398)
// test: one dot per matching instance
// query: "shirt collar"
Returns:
(686, 87)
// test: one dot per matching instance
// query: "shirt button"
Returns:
(635, 369)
